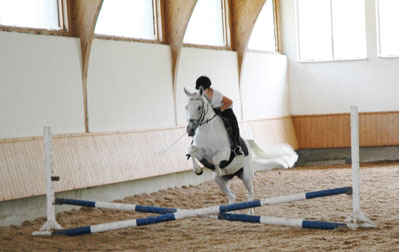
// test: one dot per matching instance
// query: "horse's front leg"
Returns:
(194, 152)
(223, 184)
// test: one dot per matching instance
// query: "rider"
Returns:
(225, 106)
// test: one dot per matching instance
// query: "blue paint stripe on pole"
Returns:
(73, 231)
(305, 223)
(239, 206)
(321, 225)
(240, 217)
(330, 192)
(86, 203)
(155, 219)
(158, 210)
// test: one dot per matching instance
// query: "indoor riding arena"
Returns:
(109, 141)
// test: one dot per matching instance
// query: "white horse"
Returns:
(212, 147)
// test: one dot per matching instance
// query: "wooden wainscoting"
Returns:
(95, 159)
(272, 131)
(87, 160)
(333, 130)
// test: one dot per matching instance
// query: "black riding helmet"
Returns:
(203, 81)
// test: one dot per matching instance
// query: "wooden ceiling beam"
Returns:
(244, 15)
(177, 16)
(84, 14)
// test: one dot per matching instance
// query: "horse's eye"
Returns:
(199, 107)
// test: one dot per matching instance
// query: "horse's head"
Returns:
(196, 108)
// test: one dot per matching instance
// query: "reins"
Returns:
(210, 119)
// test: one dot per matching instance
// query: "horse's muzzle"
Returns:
(191, 127)
(190, 131)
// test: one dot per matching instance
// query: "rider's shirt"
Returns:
(216, 101)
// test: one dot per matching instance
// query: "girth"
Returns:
(225, 163)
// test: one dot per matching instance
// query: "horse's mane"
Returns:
(198, 96)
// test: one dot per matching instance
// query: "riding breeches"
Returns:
(229, 114)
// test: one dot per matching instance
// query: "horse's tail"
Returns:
(273, 156)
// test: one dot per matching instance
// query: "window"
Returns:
(131, 19)
(263, 37)
(388, 33)
(331, 29)
(37, 14)
(208, 24)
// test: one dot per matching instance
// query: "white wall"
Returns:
(220, 66)
(332, 87)
(264, 86)
(40, 84)
(129, 86)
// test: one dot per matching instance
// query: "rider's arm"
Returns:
(226, 103)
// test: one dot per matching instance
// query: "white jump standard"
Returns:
(357, 219)
(51, 222)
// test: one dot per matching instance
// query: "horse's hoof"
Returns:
(198, 171)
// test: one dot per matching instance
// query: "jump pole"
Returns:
(310, 224)
(357, 219)
(201, 212)
(225, 216)
(224, 208)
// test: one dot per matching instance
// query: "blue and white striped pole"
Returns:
(116, 206)
(281, 221)
(225, 208)
(201, 212)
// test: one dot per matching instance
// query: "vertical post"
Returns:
(51, 222)
(355, 162)
(357, 219)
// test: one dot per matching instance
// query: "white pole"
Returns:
(51, 222)
(357, 219)
(355, 162)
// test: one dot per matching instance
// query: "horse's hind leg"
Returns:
(223, 184)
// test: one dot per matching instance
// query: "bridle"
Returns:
(200, 121)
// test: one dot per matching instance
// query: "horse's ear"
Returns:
(187, 92)
(201, 90)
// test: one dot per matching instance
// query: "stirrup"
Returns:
(238, 151)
